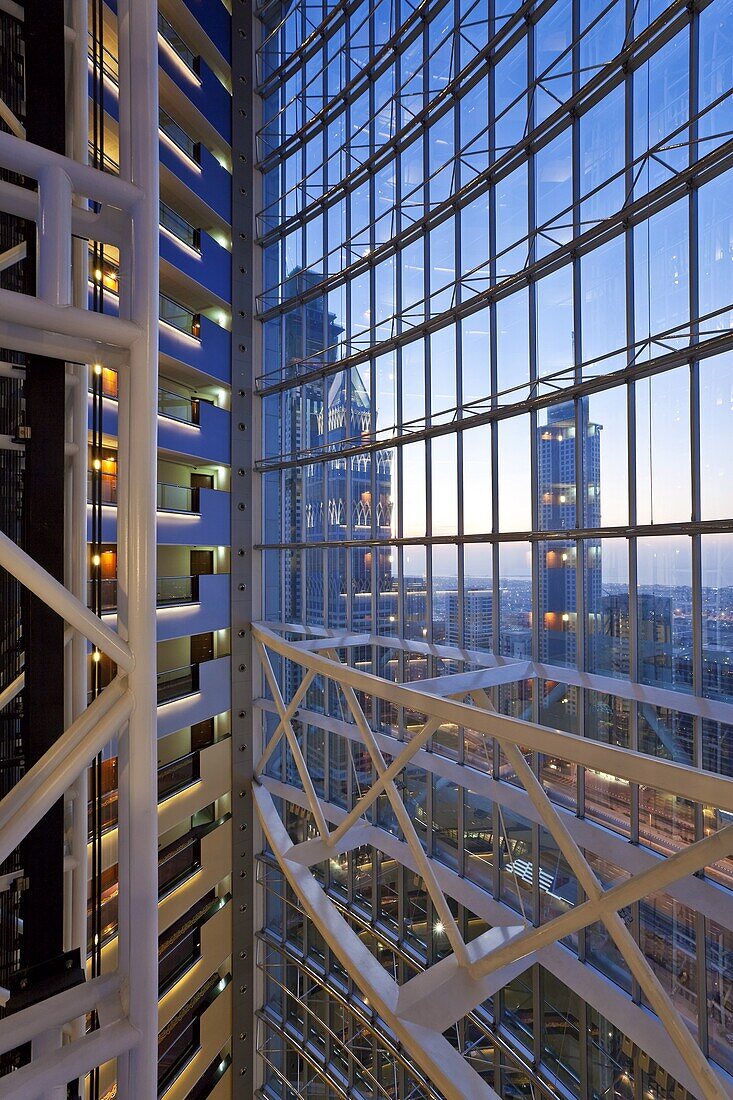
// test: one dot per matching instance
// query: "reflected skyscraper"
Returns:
(569, 487)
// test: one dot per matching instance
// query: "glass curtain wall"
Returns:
(496, 388)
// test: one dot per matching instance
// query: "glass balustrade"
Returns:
(177, 315)
(178, 406)
(177, 498)
(177, 682)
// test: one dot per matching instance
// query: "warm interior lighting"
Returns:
(97, 368)
(97, 464)
(96, 656)
(96, 560)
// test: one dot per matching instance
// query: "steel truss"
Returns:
(71, 205)
(423, 1008)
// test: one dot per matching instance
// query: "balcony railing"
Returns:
(178, 45)
(210, 1078)
(178, 774)
(180, 1040)
(179, 227)
(171, 498)
(179, 137)
(178, 861)
(176, 1049)
(110, 65)
(169, 591)
(177, 683)
(109, 810)
(180, 945)
(107, 593)
(177, 498)
(173, 313)
(108, 916)
(172, 778)
(172, 590)
(178, 959)
(178, 406)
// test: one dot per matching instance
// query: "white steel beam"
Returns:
(28, 160)
(138, 454)
(691, 783)
(404, 821)
(34, 794)
(58, 597)
(14, 688)
(57, 324)
(701, 1069)
(25, 1025)
(446, 1067)
(12, 256)
(696, 893)
(388, 775)
(288, 716)
(600, 992)
(287, 726)
(69, 1062)
(451, 988)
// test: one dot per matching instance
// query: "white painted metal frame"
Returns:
(477, 969)
(55, 322)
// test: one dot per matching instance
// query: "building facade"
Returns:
(192, 571)
(193, 540)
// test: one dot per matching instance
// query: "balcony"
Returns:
(178, 861)
(216, 21)
(187, 1038)
(186, 605)
(177, 683)
(198, 170)
(193, 781)
(207, 438)
(185, 158)
(185, 786)
(209, 353)
(215, 855)
(206, 609)
(187, 426)
(186, 705)
(193, 76)
(188, 339)
(184, 967)
(209, 264)
(186, 517)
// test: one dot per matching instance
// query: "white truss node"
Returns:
(440, 996)
(71, 205)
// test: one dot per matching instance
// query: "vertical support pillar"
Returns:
(138, 440)
(77, 549)
(54, 236)
(245, 569)
(43, 516)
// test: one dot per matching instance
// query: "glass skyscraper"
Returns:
(495, 381)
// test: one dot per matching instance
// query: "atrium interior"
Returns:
(366, 549)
